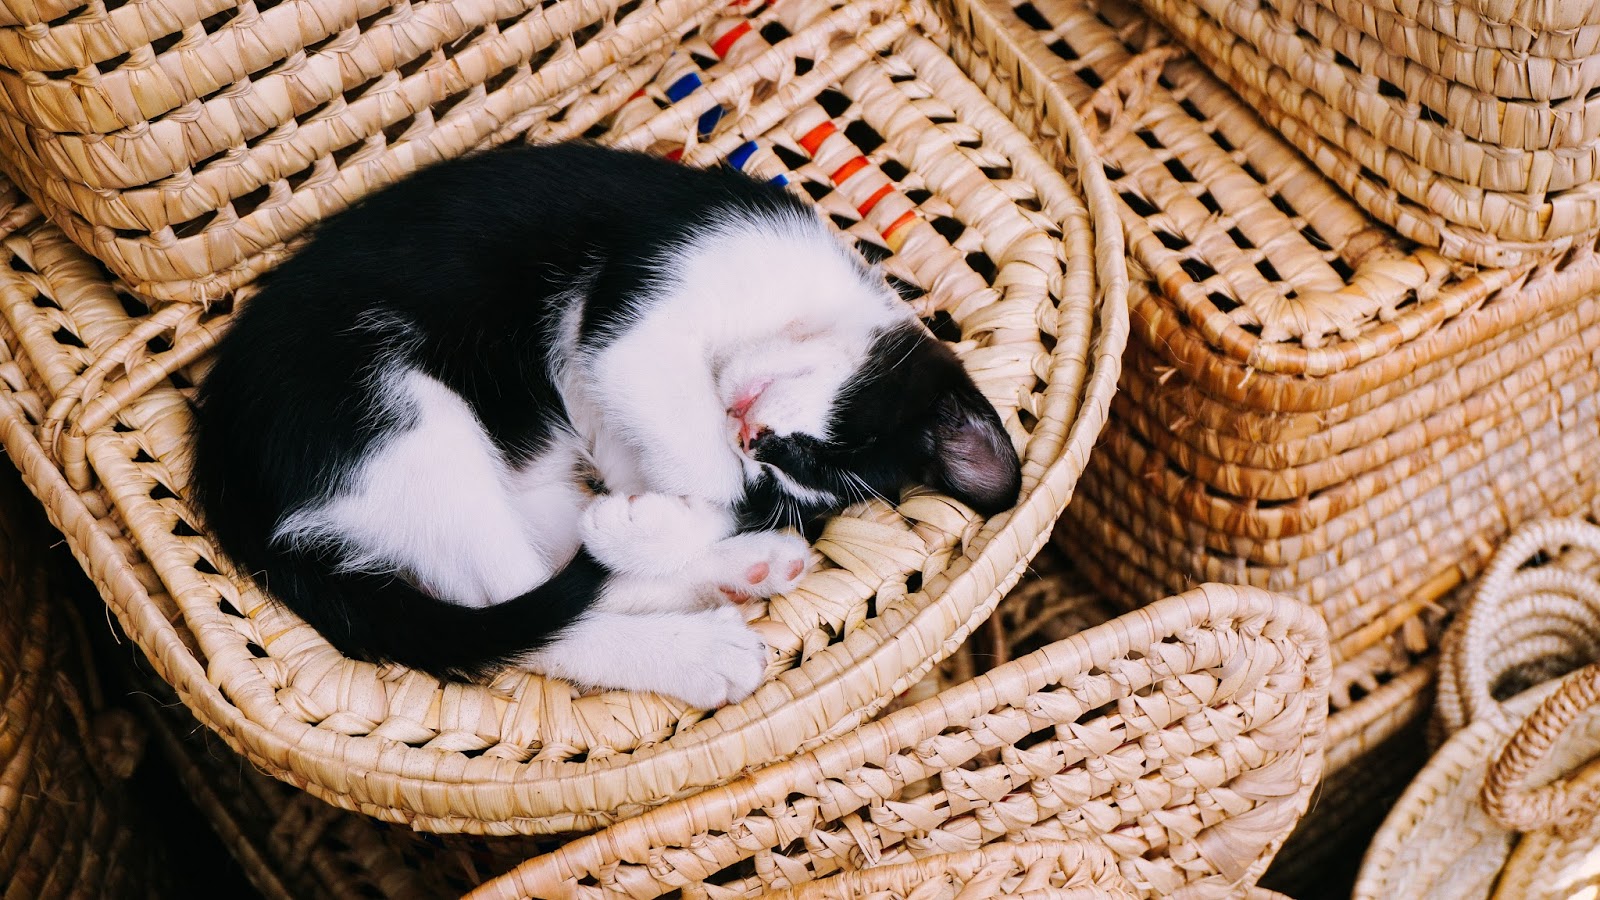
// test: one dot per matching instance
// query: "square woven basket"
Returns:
(1311, 403)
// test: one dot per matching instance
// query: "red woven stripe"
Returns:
(813, 139)
(720, 48)
(900, 223)
(872, 201)
(850, 168)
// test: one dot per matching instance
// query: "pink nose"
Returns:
(747, 398)
(740, 411)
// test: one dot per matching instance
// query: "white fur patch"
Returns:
(777, 303)
(435, 502)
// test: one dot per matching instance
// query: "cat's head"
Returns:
(903, 411)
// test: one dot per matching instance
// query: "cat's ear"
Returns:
(972, 457)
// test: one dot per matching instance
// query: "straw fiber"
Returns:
(1504, 808)
(987, 237)
(1500, 179)
(184, 141)
(68, 824)
(1185, 738)
(1047, 870)
(1311, 404)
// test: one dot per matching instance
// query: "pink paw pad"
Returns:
(757, 573)
(795, 568)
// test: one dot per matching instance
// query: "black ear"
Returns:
(973, 460)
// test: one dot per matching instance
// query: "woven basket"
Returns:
(68, 827)
(1534, 615)
(1488, 179)
(1025, 264)
(1185, 738)
(184, 141)
(1310, 404)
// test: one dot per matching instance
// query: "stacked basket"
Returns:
(1469, 126)
(1310, 404)
(851, 103)
(184, 141)
(68, 825)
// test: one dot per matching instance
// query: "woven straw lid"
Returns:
(1184, 737)
(1410, 163)
(1024, 263)
(1265, 290)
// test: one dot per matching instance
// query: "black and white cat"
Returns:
(405, 434)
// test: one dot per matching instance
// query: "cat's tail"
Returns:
(383, 618)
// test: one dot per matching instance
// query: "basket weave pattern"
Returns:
(1044, 870)
(185, 142)
(981, 231)
(1309, 400)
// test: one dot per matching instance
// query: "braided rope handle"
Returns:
(1477, 651)
(1566, 804)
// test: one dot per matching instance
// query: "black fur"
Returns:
(462, 270)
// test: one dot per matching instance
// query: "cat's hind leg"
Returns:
(705, 658)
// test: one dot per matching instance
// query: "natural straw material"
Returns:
(1508, 766)
(989, 239)
(1311, 404)
(1487, 179)
(68, 827)
(1185, 738)
(1043, 870)
(184, 141)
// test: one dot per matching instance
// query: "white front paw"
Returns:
(650, 534)
(723, 661)
(760, 564)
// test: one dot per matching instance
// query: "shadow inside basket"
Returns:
(851, 104)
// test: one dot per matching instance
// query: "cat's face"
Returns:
(842, 423)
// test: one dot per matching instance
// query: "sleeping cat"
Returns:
(557, 408)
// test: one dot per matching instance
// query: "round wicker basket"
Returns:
(1455, 831)
(852, 103)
